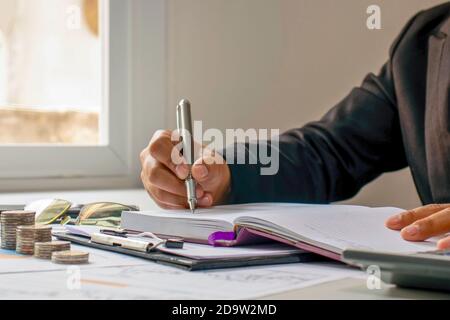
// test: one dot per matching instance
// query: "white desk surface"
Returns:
(342, 289)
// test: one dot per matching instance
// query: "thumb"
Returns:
(444, 244)
(208, 171)
(212, 173)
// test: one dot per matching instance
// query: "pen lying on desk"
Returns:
(184, 124)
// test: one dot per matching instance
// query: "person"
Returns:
(395, 119)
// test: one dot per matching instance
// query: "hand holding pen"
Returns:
(165, 181)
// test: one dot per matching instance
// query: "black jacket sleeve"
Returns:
(331, 159)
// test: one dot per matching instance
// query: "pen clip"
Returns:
(184, 125)
(116, 233)
(141, 245)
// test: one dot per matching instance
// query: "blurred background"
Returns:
(242, 63)
(281, 64)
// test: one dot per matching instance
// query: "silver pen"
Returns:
(184, 124)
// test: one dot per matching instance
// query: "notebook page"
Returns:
(181, 223)
(198, 226)
(230, 213)
(337, 228)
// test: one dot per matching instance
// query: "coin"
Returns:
(25, 240)
(70, 257)
(44, 250)
(10, 220)
(43, 233)
(27, 236)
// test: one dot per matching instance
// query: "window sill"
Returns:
(137, 197)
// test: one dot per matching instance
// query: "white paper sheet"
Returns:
(11, 262)
(159, 282)
(340, 227)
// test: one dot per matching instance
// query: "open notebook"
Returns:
(323, 229)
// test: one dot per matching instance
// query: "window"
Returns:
(51, 57)
(127, 93)
(3, 66)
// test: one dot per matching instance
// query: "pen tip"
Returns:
(192, 205)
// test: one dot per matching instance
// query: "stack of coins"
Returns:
(70, 257)
(42, 233)
(10, 221)
(44, 250)
(25, 240)
(27, 236)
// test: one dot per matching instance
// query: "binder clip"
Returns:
(168, 243)
(174, 244)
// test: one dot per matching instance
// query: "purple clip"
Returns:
(241, 237)
(220, 238)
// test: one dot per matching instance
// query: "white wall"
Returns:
(280, 64)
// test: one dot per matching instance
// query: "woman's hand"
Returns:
(422, 223)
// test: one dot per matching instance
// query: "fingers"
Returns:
(163, 149)
(205, 201)
(164, 199)
(168, 200)
(208, 168)
(213, 174)
(433, 225)
(164, 171)
(202, 172)
(404, 219)
(444, 244)
(422, 223)
(161, 177)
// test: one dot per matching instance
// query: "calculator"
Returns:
(424, 270)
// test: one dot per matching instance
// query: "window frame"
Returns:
(133, 105)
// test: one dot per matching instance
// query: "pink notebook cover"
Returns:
(300, 245)
(251, 236)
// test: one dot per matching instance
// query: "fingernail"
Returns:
(200, 193)
(202, 171)
(395, 219)
(412, 230)
(206, 201)
(444, 244)
(182, 171)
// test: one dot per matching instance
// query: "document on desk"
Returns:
(324, 229)
(154, 281)
(200, 251)
(11, 262)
